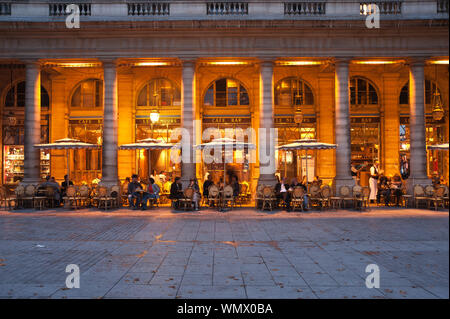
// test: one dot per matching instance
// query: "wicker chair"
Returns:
(228, 198)
(186, 202)
(259, 196)
(104, 198)
(419, 195)
(315, 197)
(28, 198)
(361, 197)
(84, 199)
(20, 193)
(213, 196)
(325, 197)
(269, 198)
(344, 197)
(297, 198)
(5, 199)
(437, 199)
(71, 200)
(114, 194)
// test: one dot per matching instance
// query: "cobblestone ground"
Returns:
(238, 254)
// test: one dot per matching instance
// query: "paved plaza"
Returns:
(238, 254)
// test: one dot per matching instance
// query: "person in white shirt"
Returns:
(373, 181)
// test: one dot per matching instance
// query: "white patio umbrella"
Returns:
(306, 144)
(225, 144)
(438, 147)
(67, 144)
(147, 144)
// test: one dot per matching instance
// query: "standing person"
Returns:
(373, 181)
(404, 167)
(354, 172)
(133, 195)
(65, 184)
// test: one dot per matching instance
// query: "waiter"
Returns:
(373, 180)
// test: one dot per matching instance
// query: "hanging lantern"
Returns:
(438, 110)
(154, 116)
(298, 116)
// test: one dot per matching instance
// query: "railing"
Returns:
(5, 9)
(227, 8)
(304, 8)
(148, 9)
(385, 7)
(59, 9)
(442, 6)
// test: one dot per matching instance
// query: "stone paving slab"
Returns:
(240, 254)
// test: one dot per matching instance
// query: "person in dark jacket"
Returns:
(176, 191)
(65, 184)
(206, 186)
(235, 185)
(281, 192)
(133, 196)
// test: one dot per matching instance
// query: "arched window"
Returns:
(293, 91)
(430, 89)
(88, 94)
(226, 92)
(159, 92)
(362, 92)
(16, 96)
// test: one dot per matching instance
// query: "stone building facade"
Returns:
(203, 64)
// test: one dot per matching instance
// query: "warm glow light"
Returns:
(74, 65)
(299, 62)
(154, 116)
(226, 62)
(376, 62)
(150, 63)
(439, 62)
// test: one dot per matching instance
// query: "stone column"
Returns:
(32, 122)
(187, 121)
(267, 140)
(110, 113)
(342, 125)
(391, 127)
(418, 153)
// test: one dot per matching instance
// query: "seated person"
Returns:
(65, 184)
(176, 191)
(152, 193)
(281, 192)
(133, 195)
(235, 185)
(396, 188)
(383, 188)
(206, 186)
(196, 198)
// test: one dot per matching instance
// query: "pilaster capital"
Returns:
(267, 62)
(32, 63)
(342, 61)
(108, 62)
(189, 63)
(416, 61)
